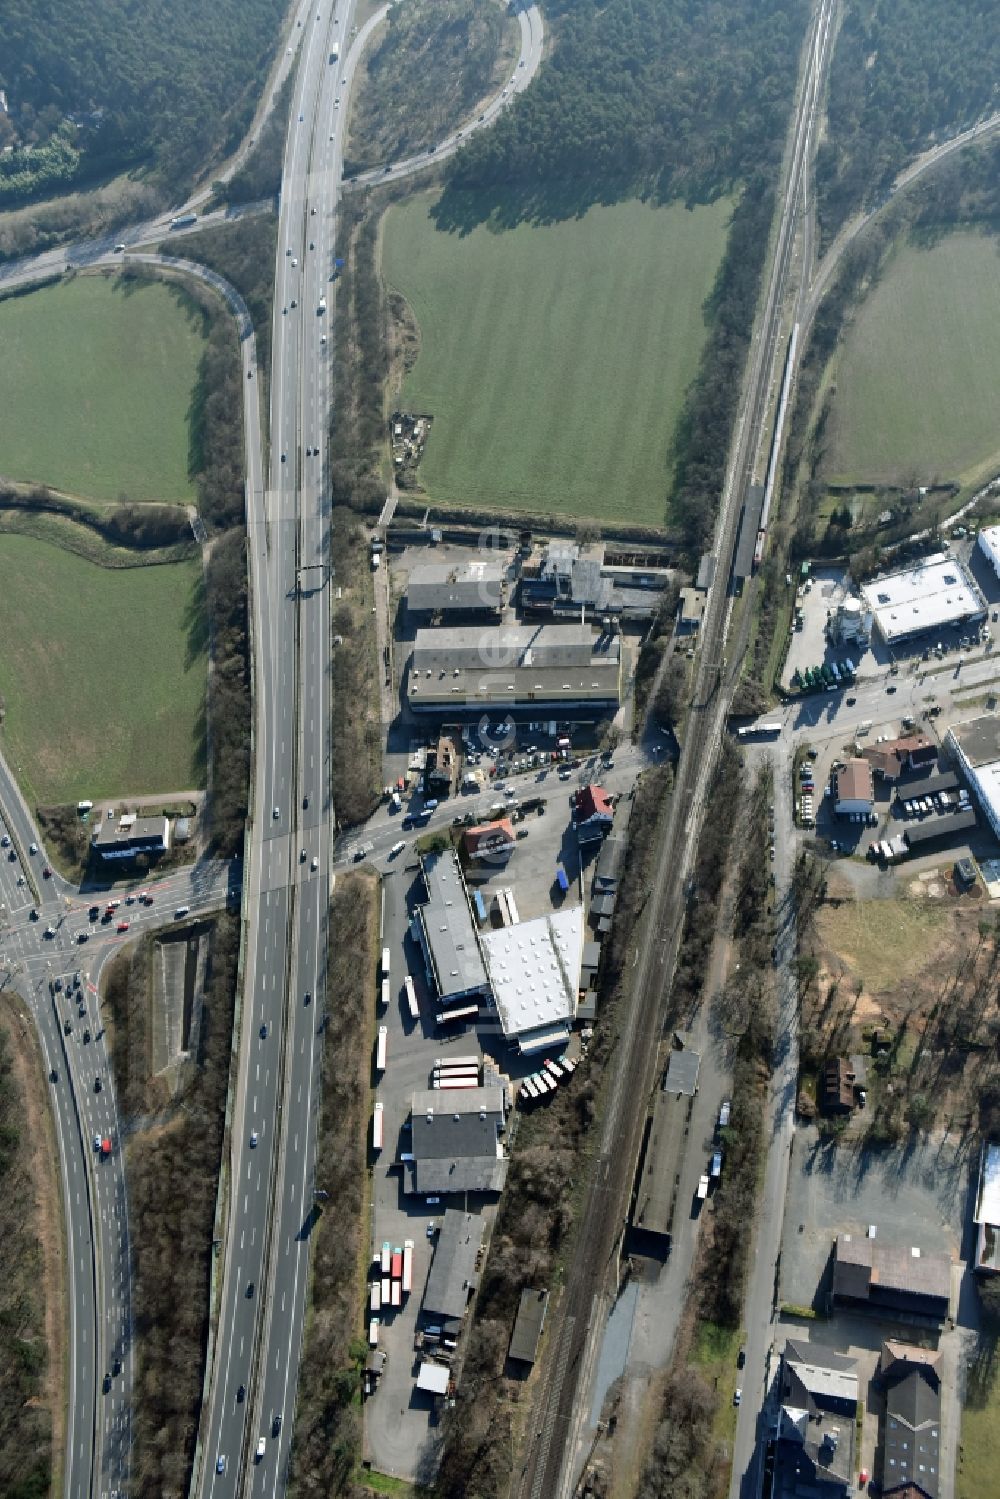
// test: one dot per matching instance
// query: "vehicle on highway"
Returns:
(250, 1290)
(308, 998)
(737, 1395)
(181, 911)
(261, 1447)
(220, 1462)
(54, 1075)
(123, 926)
(276, 813)
(241, 1394)
(397, 849)
(276, 1425)
(32, 848)
(98, 1085)
(315, 863)
(263, 1031)
(106, 1383)
(253, 1139)
(46, 872)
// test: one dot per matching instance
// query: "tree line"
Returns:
(674, 97)
(95, 87)
(902, 76)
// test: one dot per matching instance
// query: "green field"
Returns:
(102, 674)
(917, 380)
(554, 358)
(96, 381)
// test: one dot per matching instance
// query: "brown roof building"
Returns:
(855, 787)
(866, 1273)
(492, 840)
(837, 1086)
(890, 759)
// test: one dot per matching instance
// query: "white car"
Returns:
(315, 862)
(32, 848)
(397, 848)
(253, 1139)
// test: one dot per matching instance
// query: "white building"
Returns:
(976, 747)
(987, 1215)
(989, 545)
(534, 972)
(931, 595)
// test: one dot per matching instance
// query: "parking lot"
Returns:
(915, 1195)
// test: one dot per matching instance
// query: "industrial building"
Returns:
(128, 835)
(516, 667)
(534, 972)
(976, 747)
(452, 1276)
(891, 1280)
(656, 1194)
(851, 623)
(447, 932)
(593, 813)
(476, 587)
(566, 578)
(989, 544)
(932, 594)
(814, 1440)
(854, 789)
(455, 1142)
(987, 1214)
(892, 757)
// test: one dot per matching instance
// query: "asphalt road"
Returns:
(35, 955)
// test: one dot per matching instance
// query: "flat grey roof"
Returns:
(449, 930)
(944, 826)
(505, 646)
(528, 1325)
(979, 740)
(928, 786)
(453, 1268)
(129, 829)
(611, 859)
(654, 1201)
(473, 688)
(682, 1072)
(754, 504)
(470, 586)
(454, 1140)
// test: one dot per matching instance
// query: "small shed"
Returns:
(528, 1326)
(433, 1378)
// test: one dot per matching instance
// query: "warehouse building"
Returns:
(514, 668)
(976, 747)
(932, 594)
(566, 578)
(534, 970)
(476, 587)
(886, 1279)
(989, 545)
(128, 835)
(455, 1141)
(528, 1326)
(447, 932)
(814, 1439)
(452, 1276)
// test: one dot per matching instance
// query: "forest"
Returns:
(903, 75)
(673, 97)
(97, 86)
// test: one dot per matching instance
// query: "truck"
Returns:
(373, 1333)
(322, 307)
(376, 1296)
(385, 962)
(397, 1264)
(396, 1299)
(411, 998)
(715, 1170)
(386, 1290)
(182, 220)
(702, 1188)
(334, 52)
(386, 1256)
(385, 994)
(377, 1127)
(407, 1266)
(381, 1048)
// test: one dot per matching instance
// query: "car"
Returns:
(54, 1075)
(312, 213)
(308, 999)
(276, 1425)
(302, 856)
(850, 701)
(283, 458)
(98, 1085)
(305, 804)
(261, 1445)
(241, 1394)
(32, 848)
(119, 249)
(253, 1139)
(86, 1037)
(97, 1142)
(275, 813)
(123, 926)
(263, 1031)
(344, 82)
(312, 243)
(294, 302)
(397, 849)
(315, 863)
(249, 1290)
(106, 1385)
(407, 823)
(891, 688)
(220, 1462)
(295, 263)
(323, 338)
(737, 1395)
(5, 841)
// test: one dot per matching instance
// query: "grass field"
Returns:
(102, 674)
(979, 1442)
(95, 384)
(885, 942)
(554, 358)
(917, 379)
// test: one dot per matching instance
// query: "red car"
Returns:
(123, 926)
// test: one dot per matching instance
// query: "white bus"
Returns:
(759, 730)
(377, 1127)
(411, 998)
(381, 1048)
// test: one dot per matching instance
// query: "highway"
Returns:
(550, 1461)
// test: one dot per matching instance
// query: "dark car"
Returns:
(83, 937)
(54, 1075)
(275, 1426)
(67, 1027)
(86, 1036)
(107, 1383)
(406, 823)
(98, 1085)
(241, 1393)
(116, 1367)
(891, 688)
(94, 912)
(250, 1290)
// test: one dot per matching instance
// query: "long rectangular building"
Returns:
(931, 594)
(447, 932)
(515, 667)
(976, 747)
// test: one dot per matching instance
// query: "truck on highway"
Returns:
(334, 52)
(385, 962)
(182, 220)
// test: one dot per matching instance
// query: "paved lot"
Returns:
(915, 1195)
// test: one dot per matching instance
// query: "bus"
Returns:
(411, 998)
(381, 1048)
(407, 1265)
(385, 962)
(760, 730)
(377, 1127)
